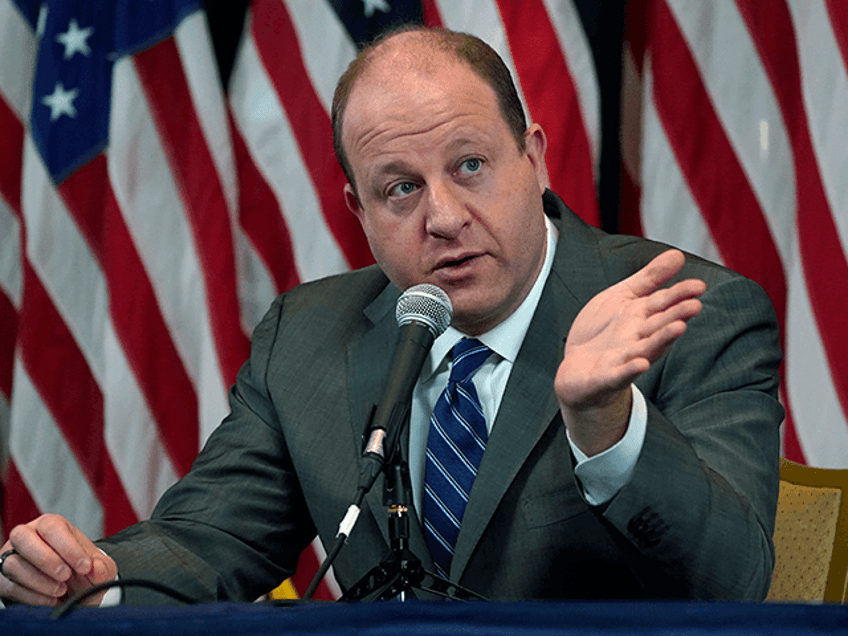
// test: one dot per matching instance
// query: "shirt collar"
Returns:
(506, 338)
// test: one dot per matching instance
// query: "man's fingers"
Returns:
(32, 547)
(50, 545)
(654, 345)
(656, 273)
(21, 594)
(662, 299)
(683, 310)
(27, 577)
(71, 545)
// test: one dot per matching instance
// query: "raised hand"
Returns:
(613, 340)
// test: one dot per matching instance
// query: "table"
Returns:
(419, 618)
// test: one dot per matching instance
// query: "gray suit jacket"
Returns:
(694, 521)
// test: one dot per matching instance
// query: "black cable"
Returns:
(341, 539)
(72, 603)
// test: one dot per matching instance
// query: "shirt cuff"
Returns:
(112, 597)
(604, 474)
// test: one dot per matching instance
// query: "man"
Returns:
(639, 461)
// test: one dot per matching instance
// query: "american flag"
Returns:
(148, 217)
(735, 125)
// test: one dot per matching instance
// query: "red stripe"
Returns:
(630, 220)
(432, 16)
(552, 100)
(167, 91)
(824, 263)
(636, 33)
(837, 10)
(277, 43)
(8, 335)
(18, 506)
(261, 218)
(69, 391)
(307, 566)
(791, 444)
(707, 160)
(11, 156)
(135, 314)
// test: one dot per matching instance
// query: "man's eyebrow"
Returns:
(463, 141)
(393, 167)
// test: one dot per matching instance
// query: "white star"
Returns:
(371, 5)
(61, 102)
(75, 39)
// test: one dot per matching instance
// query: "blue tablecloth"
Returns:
(422, 618)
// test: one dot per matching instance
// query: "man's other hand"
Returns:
(52, 561)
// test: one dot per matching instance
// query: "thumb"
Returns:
(101, 571)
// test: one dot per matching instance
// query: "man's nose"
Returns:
(447, 213)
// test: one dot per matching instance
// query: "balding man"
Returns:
(637, 460)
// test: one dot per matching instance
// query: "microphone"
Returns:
(423, 313)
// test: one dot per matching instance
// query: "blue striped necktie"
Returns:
(455, 446)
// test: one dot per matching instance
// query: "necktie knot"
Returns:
(468, 356)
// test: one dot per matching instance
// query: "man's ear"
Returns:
(352, 202)
(536, 143)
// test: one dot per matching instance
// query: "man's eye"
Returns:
(471, 165)
(402, 189)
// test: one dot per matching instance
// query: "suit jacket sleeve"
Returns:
(701, 504)
(233, 528)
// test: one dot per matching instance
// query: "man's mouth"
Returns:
(456, 261)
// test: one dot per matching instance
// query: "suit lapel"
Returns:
(529, 405)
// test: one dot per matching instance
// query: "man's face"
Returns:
(445, 196)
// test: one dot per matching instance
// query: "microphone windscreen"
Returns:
(427, 304)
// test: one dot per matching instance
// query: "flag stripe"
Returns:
(154, 213)
(277, 43)
(261, 222)
(665, 191)
(432, 15)
(579, 59)
(769, 85)
(754, 187)
(824, 263)
(708, 158)
(135, 313)
(825, 91)
(64, 382)
(323, 70)
(18, 505)
(838, 12)
(8, 336)
(262, 122)
(17, 50)
(757, 135)
(11, 153)
(540, 64)
(166, 88)
(65, 489)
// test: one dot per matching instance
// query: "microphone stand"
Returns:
(400, 572)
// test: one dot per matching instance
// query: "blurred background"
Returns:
(166, 169)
